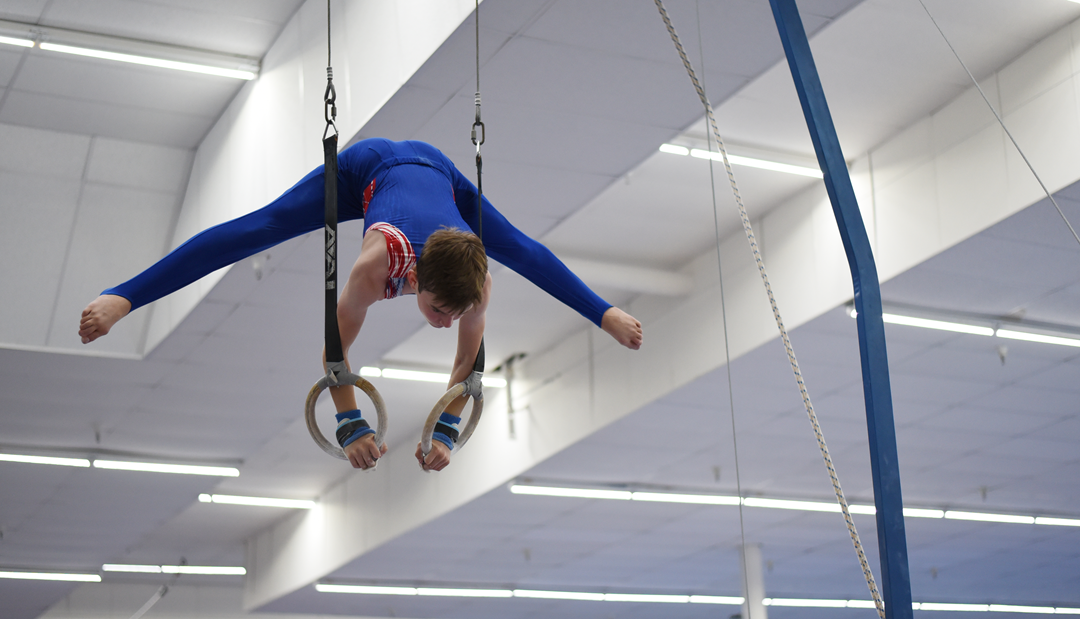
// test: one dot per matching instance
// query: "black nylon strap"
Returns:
(345, 431)
(332, 335)
(448, 430)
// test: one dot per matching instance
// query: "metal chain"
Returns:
(867, 572)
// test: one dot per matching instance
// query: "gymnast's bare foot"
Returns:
(101, 315)
(623, 327)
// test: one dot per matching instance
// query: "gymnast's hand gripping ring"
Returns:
(344, 378)
(470, 387)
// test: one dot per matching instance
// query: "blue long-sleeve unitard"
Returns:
(410, 185)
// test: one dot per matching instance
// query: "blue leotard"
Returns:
(410, 185)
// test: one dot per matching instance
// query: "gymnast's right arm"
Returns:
(365, 286)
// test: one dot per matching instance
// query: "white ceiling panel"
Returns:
(47, 154)
(10, 58)
(39, 213)
(126, 123)
(141, 166)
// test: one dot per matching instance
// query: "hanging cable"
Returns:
(478, 141)
(727, 347)
(1001, 122)
(748, 229)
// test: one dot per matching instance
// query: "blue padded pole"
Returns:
(892, 542)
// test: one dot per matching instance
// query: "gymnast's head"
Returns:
(450, 275)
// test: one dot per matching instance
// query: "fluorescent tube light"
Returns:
(810, 506)
(134, 569)
(914, 512)
(147, 61)
(559, 595)
(749, 162)
(643, 597)
(700, 499)
(955, 515)
(804, 603)
(672, 149)
(579, 493)
(939, 325)
(256, 501)
(1008, 608)
(79, 462)
(1037, 337)
(716, 599)
(761, 164)
(465, 593)
(19, 42)
(647, 598)
(153, 467)
(205, 570)
(1061, 522)
(424, 377)
(365, 590)
(51, 576)
(978, 608)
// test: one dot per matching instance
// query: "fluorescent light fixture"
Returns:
(650, 598)
(578, 493)
(956, 515)
(642, 597)
(51, 576)
(19, 42)
(153, 467)
(805, 603)
(147, 61)
(716, 599)
(79, 462)
(810, 506)
(699, 499)
(1036, 337)
(976, 608)
(939, 325)
(915, 512)
(672, 149)
(957, 327)
(256, 501)
(205, 570)
(365, 590)
(134, 569)
(1060, 522)
(1008, 608)
(559, 595)
(749, 162)
(761, 164)
(465, 593)
(424, 377)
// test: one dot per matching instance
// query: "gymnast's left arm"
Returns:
(470, 334)
(536, 263)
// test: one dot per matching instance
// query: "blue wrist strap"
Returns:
(348, 417)
(449, 423)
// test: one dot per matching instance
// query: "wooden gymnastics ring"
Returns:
(343, 379)
(471, 387)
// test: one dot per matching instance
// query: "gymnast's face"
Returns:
(433, 311)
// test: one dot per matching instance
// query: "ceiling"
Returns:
(577, 97)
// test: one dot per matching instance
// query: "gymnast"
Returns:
(421, 217)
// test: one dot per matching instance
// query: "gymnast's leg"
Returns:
(297, 211)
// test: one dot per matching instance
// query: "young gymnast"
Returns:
(421, 217)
